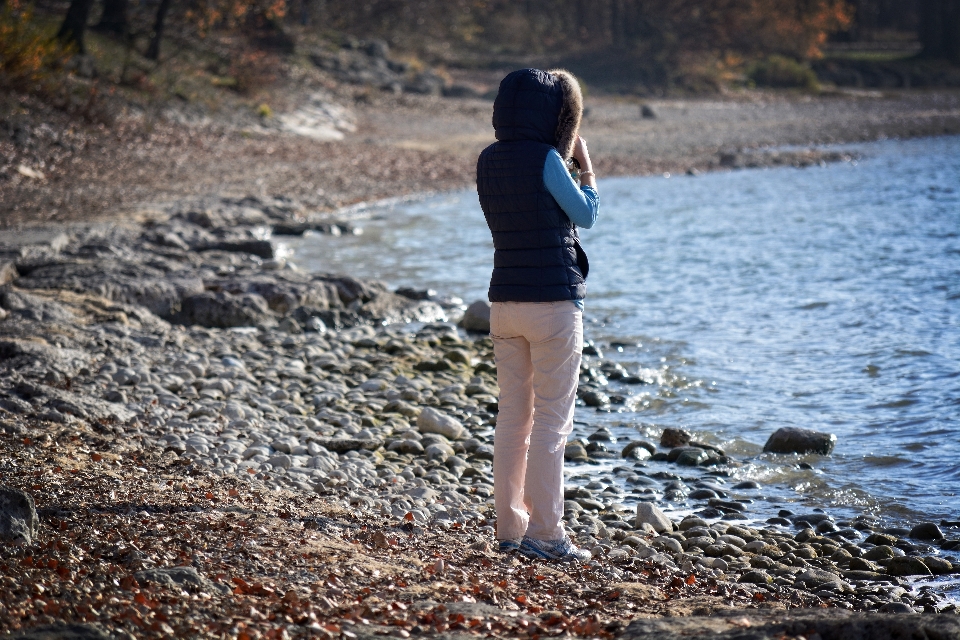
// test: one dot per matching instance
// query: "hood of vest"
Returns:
(540, 106)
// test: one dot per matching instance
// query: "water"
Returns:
(824, 298)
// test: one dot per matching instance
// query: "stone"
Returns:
(439, 452)
(880, 552)
(816, 577)
(178, 578)
(575, 452)
(896, 607)
(907, 566)
(651, 514)
(938, 566)
(224, 310)
(692, 457)
(406, 446)
(639, 450)
(67, 631)
(18, 516)
(432, 421)
(342, 445)
(926, 531)
(477, 317)
(756, 577)
(794, 440)
(8, 272)
(594, 398)
(673, 438)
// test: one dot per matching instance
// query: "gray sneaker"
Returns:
(562, 550)
(509, 545)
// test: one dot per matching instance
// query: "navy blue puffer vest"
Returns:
(537, 254)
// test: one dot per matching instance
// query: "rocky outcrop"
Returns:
(836, 625)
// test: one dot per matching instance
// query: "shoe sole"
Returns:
(537, 554)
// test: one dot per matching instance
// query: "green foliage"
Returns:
(780, 72)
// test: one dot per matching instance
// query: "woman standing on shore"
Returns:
(533, 206)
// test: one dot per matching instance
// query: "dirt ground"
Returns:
(57, 170)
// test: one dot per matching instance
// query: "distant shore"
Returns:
(61, 171)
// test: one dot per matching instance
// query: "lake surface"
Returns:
(825, 298)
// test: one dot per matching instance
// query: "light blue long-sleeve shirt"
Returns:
(581, 204)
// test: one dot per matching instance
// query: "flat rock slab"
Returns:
(832, 624)
(68, 632)
(342, 445)
(178, 578)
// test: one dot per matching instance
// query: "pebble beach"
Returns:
(190, 337)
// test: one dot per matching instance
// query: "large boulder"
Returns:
(477, 317)
(649, 513)
(794, 440)
(18, 516)
(432, 421)
(224, 310)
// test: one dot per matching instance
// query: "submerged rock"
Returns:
(794, 440)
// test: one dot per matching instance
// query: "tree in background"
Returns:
(156, 35)
(75, 24)
(114, 18)
(940, 29)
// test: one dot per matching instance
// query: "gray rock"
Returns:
(744, 624)
(406, 446)
(575, 452)
(432, 421)
(439, 452)
(907, 566)
(8, 272)
(816, 577)
(281, 461)
(342, 445)
(18, 516)
(68, 632)
(651, 514)
(672, 438)
(179, 578)
(477, 317)
(926, 531)
(937, 565)
(896, 607)
(638, 450)
(793, 440)
(224, 310)
(756, 577)
(691, 457)
(594, 398)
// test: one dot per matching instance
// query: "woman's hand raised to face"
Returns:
(583, 157)
(581, 154)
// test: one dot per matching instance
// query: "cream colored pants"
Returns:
(538, 347)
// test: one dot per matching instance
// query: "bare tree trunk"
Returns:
(153, 50)
(75, 24)
(114, 18)
(940, 29)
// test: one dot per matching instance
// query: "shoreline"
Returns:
(170, 385)
(410, 144)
